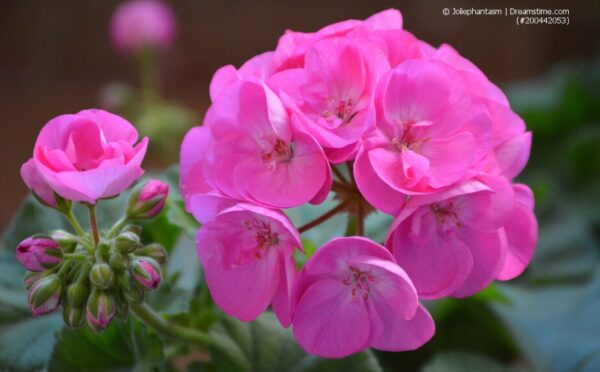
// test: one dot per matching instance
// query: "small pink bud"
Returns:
(146, 272)
(149, 200)
(44, 295)
(140, 24)
(100, 310)
(39, 253)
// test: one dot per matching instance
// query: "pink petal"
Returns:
(398, 334)
(513, 154)
(222, 78)
(328, 323)
(282, 306)
(404, 171)
(449, 158)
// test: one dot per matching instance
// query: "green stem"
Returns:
(74, 222)
(117, 227)
(153, 320)
(323, 218)
(75, 256)
(94, 224)
(360, 217)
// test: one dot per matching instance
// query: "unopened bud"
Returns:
(127, 242)
(30, 278)
(154, 251)
(44, 295)
(118, 261)
(65, 240)
(102, 276)
(146, 272)
(148, 200)
(134, 294)
(39, 253)
(73, 316)
(136, 229)
(100, 310)
(77, 293)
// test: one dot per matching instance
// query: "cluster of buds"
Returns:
(95, 281)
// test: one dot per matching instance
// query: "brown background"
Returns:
(55, 55)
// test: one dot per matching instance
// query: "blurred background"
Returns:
(55, 57)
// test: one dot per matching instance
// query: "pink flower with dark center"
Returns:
(453, 242)
(254, 154)
(246, 253)
(431, 133)
(86, 156)
(332, 94)
(39, 253)
(352, 295)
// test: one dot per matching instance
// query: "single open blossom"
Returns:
(85, 157)
(453, 243)
(352, 295)
(38, 253)
(138, 24)
(255, 153)
(246, 253)
(332, 94)
(431, 133)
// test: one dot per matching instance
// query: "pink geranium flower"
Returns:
(332, 94)
(452, 243)
(255, 154)
(85, 157)
(352, 295)
(246, 252)
(431, 133)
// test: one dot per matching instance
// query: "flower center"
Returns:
(446, 216)
(265, 238)
(279, 152)
(342, 110)
(359, 283)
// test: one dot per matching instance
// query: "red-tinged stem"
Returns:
(360, 229)
(340, 176)
(323, 218)
(94, 224)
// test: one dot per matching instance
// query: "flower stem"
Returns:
(153, 320)
(74, 222)
(117, 227)
(340, 176)
(93, 223)
(360, 219)
(323, 218)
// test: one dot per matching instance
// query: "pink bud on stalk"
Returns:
(44, 296)
(39, 253)
(146, 272)
(100, 310)
(149, 200)
(140, 24)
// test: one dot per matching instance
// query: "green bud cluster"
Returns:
(95, 283)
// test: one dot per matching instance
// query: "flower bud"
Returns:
(136, 229)
(134, 294)
(65, 240)
(39, 253)
(102, 276)
(121, 306)
(77, 293)
(146, 272)
(44, 295)
(127, 242)
(118, 261)
(155, 251)
(100, 310)
(147, 201)
(30, 278)
(73, 316)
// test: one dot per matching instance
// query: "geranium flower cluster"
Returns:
(428, 139)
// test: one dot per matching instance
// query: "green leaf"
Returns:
(264, 345)
(121, 346)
